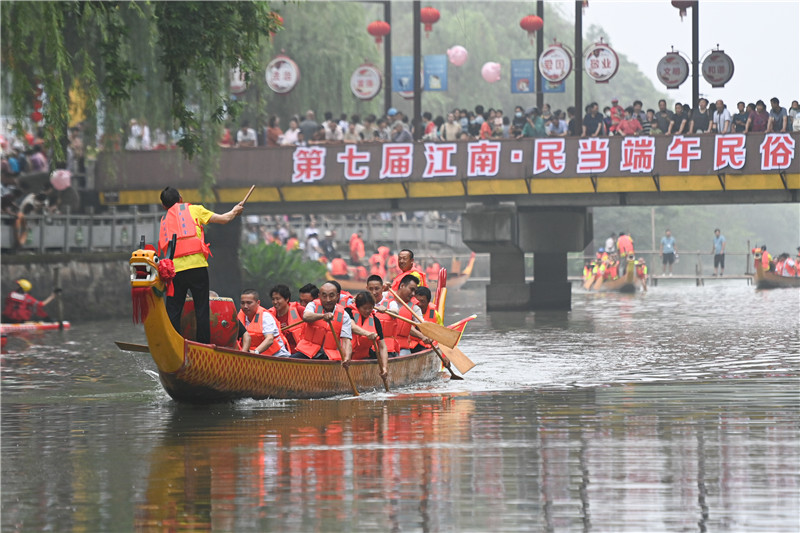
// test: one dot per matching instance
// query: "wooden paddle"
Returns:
(247, 196)
(290, 326)
(378, 356)
(463, 363)
(445, 362)
(131, 347)
(443, 335)
(341, 352)
(59, 301)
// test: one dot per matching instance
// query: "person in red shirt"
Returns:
(629, 125)
(617, 114)
(21, 306)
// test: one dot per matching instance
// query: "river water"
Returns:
(675, 410)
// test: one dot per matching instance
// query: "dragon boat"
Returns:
(626, 283)
(194, 372)
(28, 327)
(769, 280)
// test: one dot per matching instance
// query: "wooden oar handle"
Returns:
(247, 196)
(290, 326)
(341, 353)
(398, 317)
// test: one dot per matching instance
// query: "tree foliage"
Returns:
(266, 265)
(108, 50)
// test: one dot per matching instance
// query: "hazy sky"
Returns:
(762, 38)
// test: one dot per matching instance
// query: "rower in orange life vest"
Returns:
(318, 341)
(357, 252)
(21, 306)
(191, 256)
(429, 312)
(265, 337)
(405, 261)
(624, 249)
(307, 294)
(286, 313)
(404, 331)
(381, 299)
(339, 268)
(641, 272)
(364, 344)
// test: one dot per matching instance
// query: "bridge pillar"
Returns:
(224, 269)
(506, 232)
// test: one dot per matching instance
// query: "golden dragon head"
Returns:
(144, 269)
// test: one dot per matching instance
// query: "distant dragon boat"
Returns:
(626, 283)
(28, 327)
(193, 372)
(769, 280)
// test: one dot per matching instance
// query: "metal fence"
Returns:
(121, 230)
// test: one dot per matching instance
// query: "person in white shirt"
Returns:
(721, 118)
(246, 136)
(290, 135)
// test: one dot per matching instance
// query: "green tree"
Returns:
(110, 48)
(266, 265)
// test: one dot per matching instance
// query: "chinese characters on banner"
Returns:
(557, 156)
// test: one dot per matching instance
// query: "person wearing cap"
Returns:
(186, 221)
(617, 114)
(21, 306)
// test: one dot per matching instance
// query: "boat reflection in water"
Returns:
(616, 458)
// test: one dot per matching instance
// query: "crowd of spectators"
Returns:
(484, 124)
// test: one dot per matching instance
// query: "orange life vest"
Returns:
(389, 327)
(256, 331)
(339, 267)
(376, 266)
(419, 274)
(294, 315)
(346, 300)
(433, 270)
(292, 244)
(179, 221)
(20, 307)
(317, 335)
(402, 330)
(362, 344)
(624, 245)
(790, 268)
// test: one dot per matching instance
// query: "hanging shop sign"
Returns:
(717, 68)
(672, 70)
(366, 82)
(238, 81)
(522, 76)
(600, 62)
(282, 74)
(555, 63)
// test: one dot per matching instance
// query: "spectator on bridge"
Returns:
(722, 118)
(629, 125)
(740, 119)
(368, 132)
(556, 127)
(37, 160)
(534, 125)
(310, 126)
(450, 129)
(664, 117)
(226, 141)
(638, 114)
(680, 120)
(701, 118)
(758, 120)
(352, 136)
(718, 249)
(333, 133)
(616, 114)
(274, 132)
(147, 142)
(669, 252)
(134, 135)
(592, 122)
(290, 135)
(778, 118)
(400, 134)
(246, 136)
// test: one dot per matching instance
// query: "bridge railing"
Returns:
(89, 232)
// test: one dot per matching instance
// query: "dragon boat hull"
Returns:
(193, 372)
(627, 283)
(769, 280)
(27, 327)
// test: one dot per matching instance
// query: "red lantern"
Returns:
(429, 16)
(36, 116)
(37, 104)
(682, 5)
(378, 29)
(531, 24)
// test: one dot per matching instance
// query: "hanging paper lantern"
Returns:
(531, 24)
(37, 105)
(36, 116)
(457, 55)
(429, 16)
(682, 6)
(491, 72)
(378, 29)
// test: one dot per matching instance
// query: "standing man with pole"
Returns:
(186, 221)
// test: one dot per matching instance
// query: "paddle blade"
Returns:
(441, 334)
(598, 282)
(463, 363)
(131, 347)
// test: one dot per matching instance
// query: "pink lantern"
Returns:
(491, 72)
(457, 55)
(61, 179)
